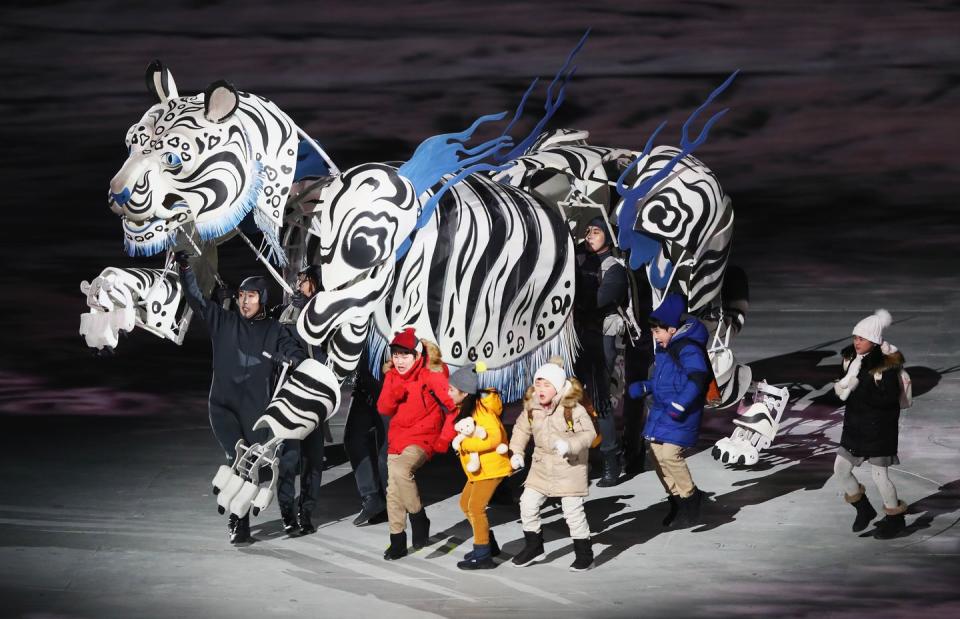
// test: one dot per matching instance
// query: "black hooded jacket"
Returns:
(242, 376)
(871, 423)
(599, 292)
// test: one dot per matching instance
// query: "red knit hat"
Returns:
(406, 339)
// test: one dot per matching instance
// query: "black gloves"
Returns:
(299, 300)
(280, 358)
(221, 294)
(182, 258)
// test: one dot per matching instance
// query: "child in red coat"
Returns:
(415, 397)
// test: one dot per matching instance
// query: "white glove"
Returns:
(516, 462)
(845, 386)
(854, 368)
(849, 381)
(561, 446)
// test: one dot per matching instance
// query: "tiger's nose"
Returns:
(121, 198)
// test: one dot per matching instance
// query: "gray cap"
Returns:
(465, 379)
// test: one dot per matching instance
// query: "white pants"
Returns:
(843, 470)
(531, 501)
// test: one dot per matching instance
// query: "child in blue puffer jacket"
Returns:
(681, 374)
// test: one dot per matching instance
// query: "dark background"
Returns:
(838, 150)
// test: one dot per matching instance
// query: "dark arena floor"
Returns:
(834, 152)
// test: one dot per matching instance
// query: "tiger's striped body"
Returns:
(489, 278)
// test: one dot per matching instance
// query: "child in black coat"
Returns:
(871, 388)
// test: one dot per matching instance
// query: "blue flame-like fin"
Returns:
(550, 106)
(442, 154)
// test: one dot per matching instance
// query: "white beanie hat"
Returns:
(871, 328)
(553, 374)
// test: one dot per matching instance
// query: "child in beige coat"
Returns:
(562, 432)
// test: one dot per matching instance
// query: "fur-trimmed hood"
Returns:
(880, 359)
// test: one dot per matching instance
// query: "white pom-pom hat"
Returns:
(553, 374)
(871, 328)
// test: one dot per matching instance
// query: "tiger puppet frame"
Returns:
(457, 242)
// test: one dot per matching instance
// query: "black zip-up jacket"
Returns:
(242, 376)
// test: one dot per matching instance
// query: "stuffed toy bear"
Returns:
(466, 428)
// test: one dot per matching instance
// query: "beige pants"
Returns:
(403, 496)
(672, 469)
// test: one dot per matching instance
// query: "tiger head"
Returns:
(209, 159)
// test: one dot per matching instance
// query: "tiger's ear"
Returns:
(160, 82)
(220, 101)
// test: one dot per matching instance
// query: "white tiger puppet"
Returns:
(197, 167)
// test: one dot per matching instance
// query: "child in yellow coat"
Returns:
(478, 412)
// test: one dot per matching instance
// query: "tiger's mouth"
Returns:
(172, 209)
(171, 199)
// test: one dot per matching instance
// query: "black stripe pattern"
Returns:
(309, 395)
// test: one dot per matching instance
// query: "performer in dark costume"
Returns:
(310, 449)
(242, 376)
(601, 290)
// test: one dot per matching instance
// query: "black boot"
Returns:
(674, 502)
(890, 527)
(420, 527)
(893, 523)
(584, 553)
(232, 524)
(372, 506)
(478, 559)
(695, 504)
(289, 520)
(241, 532)
(865, 511)
(688, 511)
(611, 469)
(633, 465)
(532, 549)
(305, 524)
(398, 546)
